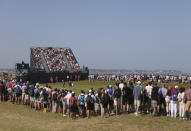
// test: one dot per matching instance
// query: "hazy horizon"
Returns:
(103, 34)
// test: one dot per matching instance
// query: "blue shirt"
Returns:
(137, 92)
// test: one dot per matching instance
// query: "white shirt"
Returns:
(149, 89)
(121, 85)
(67, 97)
(181, 97)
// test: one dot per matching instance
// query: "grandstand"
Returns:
(49, 59)
(48, 63)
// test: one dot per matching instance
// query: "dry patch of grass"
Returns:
(21, 118)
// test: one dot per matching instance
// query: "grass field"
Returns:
(21, 118)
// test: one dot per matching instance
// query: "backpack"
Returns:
(36, 93)
(117, 93)
(89, 100)
(55, 96)
(72, 102)
(160, 93)
(31, 91)
(26, 90)
(175, 95)
(81, 98)
(18, 90)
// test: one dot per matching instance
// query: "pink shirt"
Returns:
(188, 95)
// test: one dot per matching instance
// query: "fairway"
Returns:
(21, 118)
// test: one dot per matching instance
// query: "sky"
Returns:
(103, 34)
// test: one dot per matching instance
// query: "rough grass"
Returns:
(22, 118)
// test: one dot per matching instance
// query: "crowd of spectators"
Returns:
(54, 59)
(134, 77)
(37, 59)
(71, 59)
(172, 101)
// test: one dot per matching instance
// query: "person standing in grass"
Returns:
(137, 97)
(117, 98)
(154, 98)
(168, 100)
(110, 106)
(131, 97)
(162, 94)
(121, 86)
(73, 106)
(174, 102)
(90, 99)
(81, 99)
(181, 100)
(188, 104)
(148, 92)
(37, 96)
(2, 91)
(104, 103)
(54, 101)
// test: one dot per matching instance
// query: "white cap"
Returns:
(90, 91)
(176, 87)
(139, 82)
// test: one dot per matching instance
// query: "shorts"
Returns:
(154, 103)
(18, 94)
(167, 99)
(1, 94)
(117, 101)
(90, 107)
(124, 102)
(82, 107)
(26, 97)
(130, 100)
(37, 100)
(65, 106)
(137, 102)
(32, 99)
(60, 104)
(73, 109)
(110, 102)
